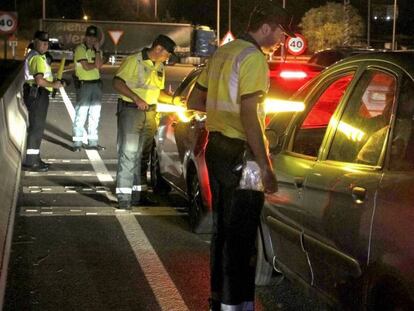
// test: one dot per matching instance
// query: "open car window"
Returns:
(309, 135)
(363, 128)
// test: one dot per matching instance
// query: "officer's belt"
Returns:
(90, 81)
(133, 105)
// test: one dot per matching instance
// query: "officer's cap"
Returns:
(92, 31)
(269, 12)
(41, 35)
(166, 42)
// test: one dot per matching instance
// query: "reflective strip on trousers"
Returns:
(123, 190)
(244, 306)
(139, 188)
(32, 151)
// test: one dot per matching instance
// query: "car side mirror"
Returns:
(275, 141)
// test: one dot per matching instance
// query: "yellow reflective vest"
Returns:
(37, 64)
(143, 76)
(83, 53)
(238, 68)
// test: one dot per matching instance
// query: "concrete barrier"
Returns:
(13, 125)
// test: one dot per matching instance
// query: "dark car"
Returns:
(342, 220)
(328, 57)
(178, 156)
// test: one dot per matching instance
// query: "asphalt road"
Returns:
(72, 250)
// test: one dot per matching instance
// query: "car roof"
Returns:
(402, 59)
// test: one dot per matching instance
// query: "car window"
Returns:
(183, 91)
(402, 146)
(364, 126)
(310, 134)
(325, 58)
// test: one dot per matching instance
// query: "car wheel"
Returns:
(264, 270)
(159, 185)
(200, 218)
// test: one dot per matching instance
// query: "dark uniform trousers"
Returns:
(236, 215)
(37, 107)
(136, 130)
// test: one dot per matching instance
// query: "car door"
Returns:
(340, 190)
(174, 136)
(284, 211)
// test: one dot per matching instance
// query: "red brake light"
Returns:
(291, 74)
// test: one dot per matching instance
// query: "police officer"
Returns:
(38, 84)
(88, 61)
(231, 89)
(140, 82)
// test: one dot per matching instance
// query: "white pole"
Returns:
(394, 25)
(44, 9)
(369, 24)
(229, 15)
(218, 22)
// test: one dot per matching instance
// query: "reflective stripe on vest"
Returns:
(27, 75)
(233, 86)
(141, 78)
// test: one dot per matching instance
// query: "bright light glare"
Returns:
(286, 74)
(169, 108)
(280, 105)
(351, 132)
(179, 110)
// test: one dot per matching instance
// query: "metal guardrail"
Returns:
(13, 125)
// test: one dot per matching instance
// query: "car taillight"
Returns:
(293, 74)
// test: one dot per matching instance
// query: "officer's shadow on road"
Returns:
(56, 136)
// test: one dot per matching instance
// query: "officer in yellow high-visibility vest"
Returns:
(140, 82)
(88, 61)
(231, 90)
(36, 89)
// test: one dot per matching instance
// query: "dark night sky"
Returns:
(194, 11)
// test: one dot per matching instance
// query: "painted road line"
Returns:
(65, 189)
(72, 174)
(167, 295)
(101, 171)
(31, 211)
(78, 161)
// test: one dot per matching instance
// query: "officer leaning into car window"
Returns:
(140, 82)
(231, 89)
(38, 84)
(88, 61)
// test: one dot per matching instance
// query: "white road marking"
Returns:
(99, 211)
(69, 174)
(167, 295)
(101, 171)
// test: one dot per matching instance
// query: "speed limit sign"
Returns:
(296, 45)
(8, 22)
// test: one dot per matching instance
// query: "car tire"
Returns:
(158, 184)
(264, 270)
(200, 218)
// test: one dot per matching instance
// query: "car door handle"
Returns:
(358, 194)
(298, 182)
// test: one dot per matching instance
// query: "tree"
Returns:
(328, 26)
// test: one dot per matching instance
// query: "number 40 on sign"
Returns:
(296, 45)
